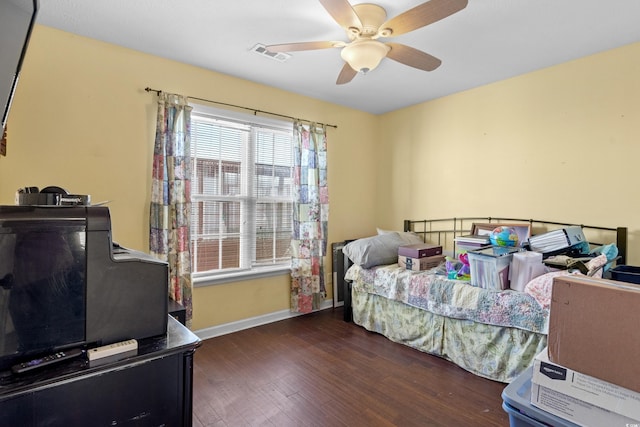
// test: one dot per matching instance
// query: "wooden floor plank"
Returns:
(317, 370)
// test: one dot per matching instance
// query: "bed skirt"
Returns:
(494, 352)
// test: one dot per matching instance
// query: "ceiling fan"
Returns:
(366, 23)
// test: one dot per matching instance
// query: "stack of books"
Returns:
(475, 240)
(557, 239)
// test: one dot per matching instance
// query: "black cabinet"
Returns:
(178, 312)
(341, 287)
(153, 388)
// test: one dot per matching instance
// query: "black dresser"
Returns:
(152, 388)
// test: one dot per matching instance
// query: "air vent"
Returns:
(261, 49)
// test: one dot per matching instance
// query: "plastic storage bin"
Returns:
(626, 273)
(490, 267)
(516, 401)
(525, 266)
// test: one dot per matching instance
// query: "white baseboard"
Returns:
(227, 328)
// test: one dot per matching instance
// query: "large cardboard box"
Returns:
(585, 388)
(575, 410)
(594, 328)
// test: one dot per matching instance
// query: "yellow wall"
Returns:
(82, 120)
(559, 144)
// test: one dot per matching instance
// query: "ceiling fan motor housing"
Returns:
(372, 17)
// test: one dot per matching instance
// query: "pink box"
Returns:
(420, 250)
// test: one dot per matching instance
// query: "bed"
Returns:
(491, 333)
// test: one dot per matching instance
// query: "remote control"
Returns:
(46, 361)
(112, 349)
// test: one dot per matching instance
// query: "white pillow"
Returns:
(376, 250)
(409, 237)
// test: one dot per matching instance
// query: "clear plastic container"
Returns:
(490, 267)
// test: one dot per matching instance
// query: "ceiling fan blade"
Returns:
(412, 57)
(342, 13)
(423, 14)
(291, 47)
(346, 74)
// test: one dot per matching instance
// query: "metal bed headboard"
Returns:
(444, 231)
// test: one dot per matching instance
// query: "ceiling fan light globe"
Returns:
(364, 55)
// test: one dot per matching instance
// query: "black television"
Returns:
(42, 287)
(65, 285)
(17, 18)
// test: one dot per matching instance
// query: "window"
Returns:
(241, 194)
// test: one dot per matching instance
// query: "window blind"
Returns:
(241, 194)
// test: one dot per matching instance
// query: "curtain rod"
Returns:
(255, 111)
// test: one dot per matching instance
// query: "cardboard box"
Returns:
(585, 388)
(420, 264)
(575, 410)
(594, 328)
(420, 250)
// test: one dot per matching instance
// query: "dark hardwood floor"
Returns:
(317, 370)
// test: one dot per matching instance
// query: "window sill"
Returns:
(239, 276)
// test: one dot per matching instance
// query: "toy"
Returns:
(465, 271)
(458, 269)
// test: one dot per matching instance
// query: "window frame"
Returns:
(207, 278)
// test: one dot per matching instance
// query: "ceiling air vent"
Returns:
(261, 49)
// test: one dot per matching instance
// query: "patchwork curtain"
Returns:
(170, 212)
(310, 217)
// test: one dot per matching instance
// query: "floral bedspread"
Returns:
(452, 298)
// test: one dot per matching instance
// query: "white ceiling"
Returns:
(489, 40)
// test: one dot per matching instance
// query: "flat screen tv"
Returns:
(16, 23)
